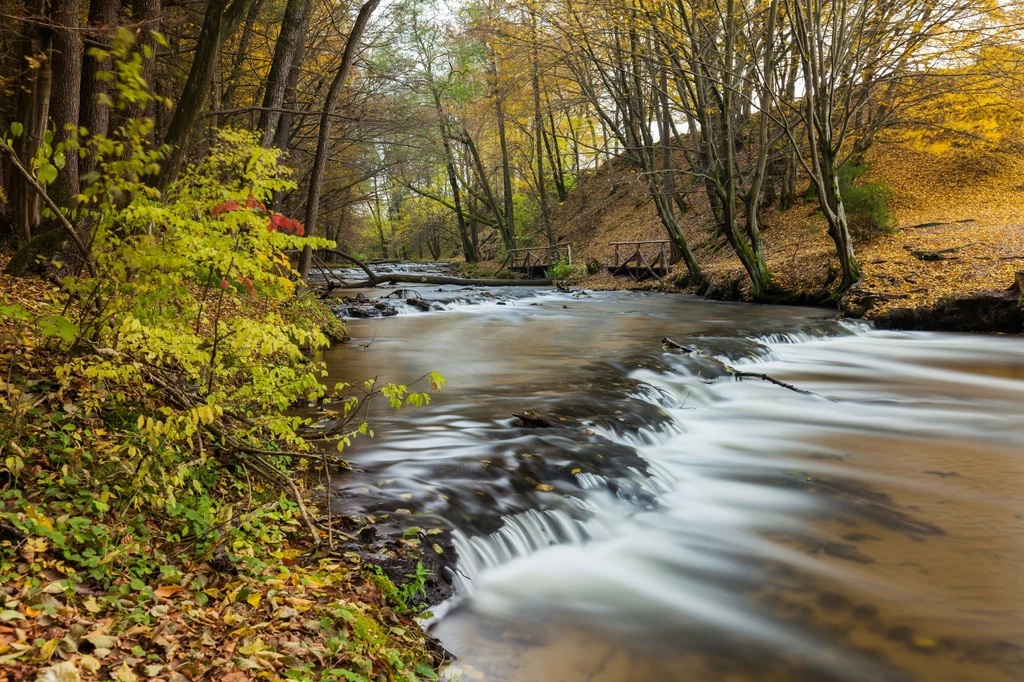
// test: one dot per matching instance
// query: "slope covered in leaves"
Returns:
(969, 203)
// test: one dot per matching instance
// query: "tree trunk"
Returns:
(227, 98)
(790, 170)
(219, 22)
(284, 123)
(146, 16)
(453, 179)
(65, 96)
(555, 158)
(504, 229)
(33, 113)
(506, 170)
(94, 114)
(316, 176)
(538, 124)
(288, 45)
(835, 213)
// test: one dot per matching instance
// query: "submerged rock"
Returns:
(360, 307)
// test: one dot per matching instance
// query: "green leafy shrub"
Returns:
(561, 270)
(866, 203)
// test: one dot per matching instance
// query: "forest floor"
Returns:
(959, 232)
(280, 609)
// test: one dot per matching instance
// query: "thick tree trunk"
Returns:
(219, 22)
(65, 96)
(289, 42)
(33, 113)
(284, 123)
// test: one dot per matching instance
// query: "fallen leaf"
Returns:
(89, 664)
(101, 641)
(125, 674)
(166, 591)
(46, 651)
(252, 647)
(234, 676)
(62, 672)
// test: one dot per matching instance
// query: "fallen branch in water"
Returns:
(374, 279)
(443, 279)
(532, 420)
(764, 377)
(739, 374)
(678, 346)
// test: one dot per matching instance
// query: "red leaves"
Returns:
(275, 223)
(225, 207)
(245, 281)
(253, 202)
(282, 223)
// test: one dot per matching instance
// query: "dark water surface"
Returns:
(690, 526)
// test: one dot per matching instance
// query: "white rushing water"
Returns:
(869, 529)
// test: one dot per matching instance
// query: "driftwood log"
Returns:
(374, 278)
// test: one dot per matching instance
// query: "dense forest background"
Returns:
(428, 130)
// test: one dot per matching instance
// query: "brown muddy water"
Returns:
(687, 525)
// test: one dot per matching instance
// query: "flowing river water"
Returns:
(687, 525)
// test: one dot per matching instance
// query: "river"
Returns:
(687, 525)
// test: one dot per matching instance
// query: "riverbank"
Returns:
(135, 545)
(949, 263)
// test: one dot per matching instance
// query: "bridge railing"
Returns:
(540, 256)
(631, 258)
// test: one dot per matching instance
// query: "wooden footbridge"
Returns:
(641, 260)
(534, 261)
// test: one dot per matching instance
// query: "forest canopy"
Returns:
(418, 129)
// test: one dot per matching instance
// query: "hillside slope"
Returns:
(956, 201)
